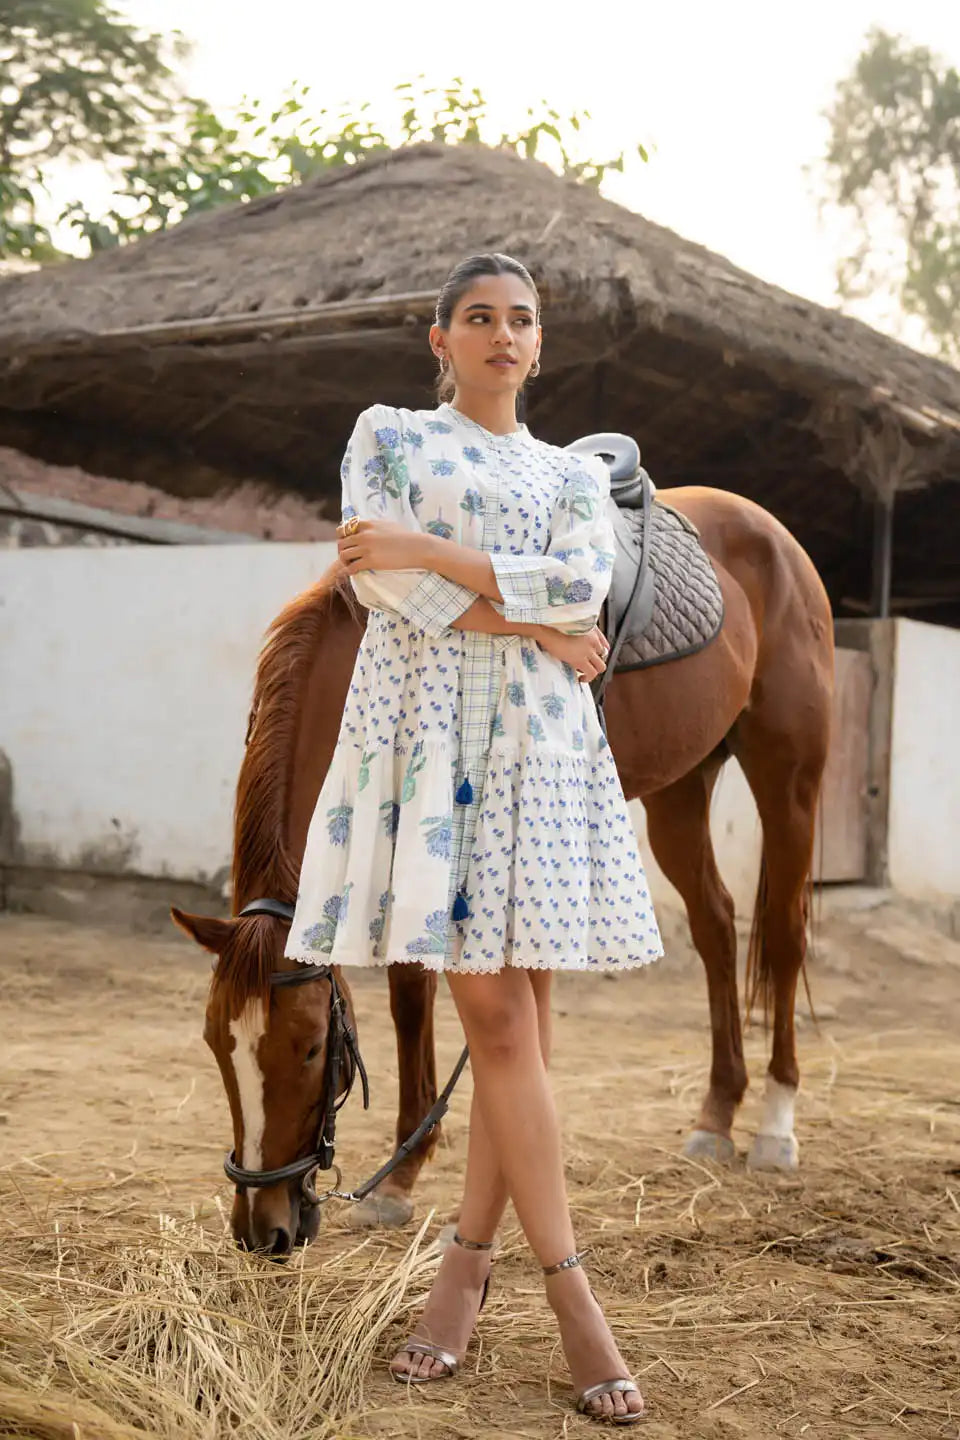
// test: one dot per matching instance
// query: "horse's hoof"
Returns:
(390, 1210)
(705, 1145)
(774, 1152)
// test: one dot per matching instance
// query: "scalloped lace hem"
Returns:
(436, 964)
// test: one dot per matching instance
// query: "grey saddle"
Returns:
(664, 600)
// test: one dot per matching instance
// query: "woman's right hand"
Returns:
(586, 653)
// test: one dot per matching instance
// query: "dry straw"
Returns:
(824, 1304)
(134, 1330)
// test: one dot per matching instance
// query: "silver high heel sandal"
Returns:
(606, 1387)
(434, 1352)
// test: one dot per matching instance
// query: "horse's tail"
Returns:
(758, 981)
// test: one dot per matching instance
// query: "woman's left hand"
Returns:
(380, 545)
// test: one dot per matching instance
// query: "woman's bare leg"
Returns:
(451, 1310)
(485, 1192)
(499, 1016)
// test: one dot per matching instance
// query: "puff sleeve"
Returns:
(566, 586)
(376, 486)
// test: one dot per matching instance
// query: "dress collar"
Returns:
(511, 436)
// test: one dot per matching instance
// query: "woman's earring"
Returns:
(442, 358)
(534, 370)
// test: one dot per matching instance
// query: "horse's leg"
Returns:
(784, 771)
(412, 993)
(678, 827)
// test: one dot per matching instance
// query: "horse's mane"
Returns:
(262, 862)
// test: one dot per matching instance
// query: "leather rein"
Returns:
(343, 1062)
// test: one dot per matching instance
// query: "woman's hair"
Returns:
(456, 285)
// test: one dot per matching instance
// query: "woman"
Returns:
(472, 818)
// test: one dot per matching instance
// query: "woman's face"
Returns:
(493, 338)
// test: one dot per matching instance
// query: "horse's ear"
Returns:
(211, 933)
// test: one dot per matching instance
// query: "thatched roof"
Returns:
(241, 344)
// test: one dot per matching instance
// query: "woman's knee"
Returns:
(500, 1019)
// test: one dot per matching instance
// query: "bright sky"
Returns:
(728, 97)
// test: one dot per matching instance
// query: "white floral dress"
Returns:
(472, 815)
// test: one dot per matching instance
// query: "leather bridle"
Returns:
(343, 1062)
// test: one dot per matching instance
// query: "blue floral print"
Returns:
(322, 935)
(439, 837)
(565, 554)
(602, 560)
(376, 925)
(390, 818)
(569, 592)
(434, 942)
(338, 824)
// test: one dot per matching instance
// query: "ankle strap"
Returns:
(471, 1244)
(571, 1263)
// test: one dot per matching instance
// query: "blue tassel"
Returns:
(465, 796)
(460, 910)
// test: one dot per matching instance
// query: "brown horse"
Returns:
(761, 692)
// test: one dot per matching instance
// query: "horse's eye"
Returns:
(313, 1052)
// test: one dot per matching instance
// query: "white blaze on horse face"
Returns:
(779, 1104)
(247, 1031)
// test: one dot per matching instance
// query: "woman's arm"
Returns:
(482, 618)
(376, 492)
(585, 653)
(562, 589)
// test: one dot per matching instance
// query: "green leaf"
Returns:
(892, 163)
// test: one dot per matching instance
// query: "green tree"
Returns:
(181, 173)
(893, 165)
(76, 82)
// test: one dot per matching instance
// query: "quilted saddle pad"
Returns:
(680, 608)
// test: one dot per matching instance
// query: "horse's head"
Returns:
(285, 1057)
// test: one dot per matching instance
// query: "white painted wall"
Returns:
(924, 831)
(125, 683)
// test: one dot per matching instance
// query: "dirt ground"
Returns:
(825, 1303)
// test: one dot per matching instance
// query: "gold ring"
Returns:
(352, 525)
